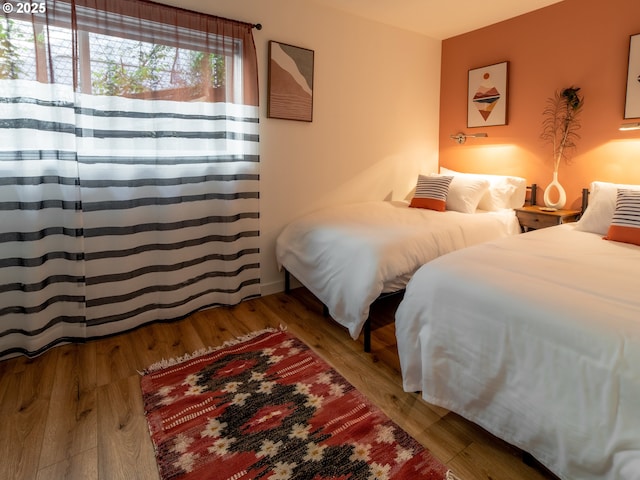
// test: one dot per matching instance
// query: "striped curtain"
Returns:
(128, 169)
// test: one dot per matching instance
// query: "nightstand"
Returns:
(532, 218)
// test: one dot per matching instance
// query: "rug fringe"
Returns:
(451, 476)
(164, 363)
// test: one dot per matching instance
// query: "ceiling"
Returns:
(437, 19)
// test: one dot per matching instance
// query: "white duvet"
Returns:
(348, 255)
(537, 339)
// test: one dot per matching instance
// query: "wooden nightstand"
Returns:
(532, 218)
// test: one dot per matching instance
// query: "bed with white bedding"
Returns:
(537, 339)
(348, 256)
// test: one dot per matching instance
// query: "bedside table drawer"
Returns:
(535, 220)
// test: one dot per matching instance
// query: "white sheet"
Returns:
(348, 255)
(537, 339)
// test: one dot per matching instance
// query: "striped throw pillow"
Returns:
(431, 193)
(625, 224)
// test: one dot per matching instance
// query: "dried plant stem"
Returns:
(561, 123)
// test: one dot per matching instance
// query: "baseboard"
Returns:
(272, 287)
(277, 286)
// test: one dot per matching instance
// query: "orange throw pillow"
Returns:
(625, 224)
(431, 193)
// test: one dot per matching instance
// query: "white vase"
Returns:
(562, 196)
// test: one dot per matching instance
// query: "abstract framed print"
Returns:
(487, 95)
(290, 84)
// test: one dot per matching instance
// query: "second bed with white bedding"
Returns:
(537, 339)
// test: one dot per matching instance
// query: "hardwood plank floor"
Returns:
(76, 412)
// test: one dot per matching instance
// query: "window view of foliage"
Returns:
(118, 78)
(119, 67)
(158, 67)
(9, 54)
(207, 65)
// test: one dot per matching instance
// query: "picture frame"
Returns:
(487, 95)
(632, 98)
(290, 82)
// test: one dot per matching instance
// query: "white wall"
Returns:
(375, 113)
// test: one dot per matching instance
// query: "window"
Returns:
(130, 62)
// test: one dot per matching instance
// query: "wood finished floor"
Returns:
(76, 412)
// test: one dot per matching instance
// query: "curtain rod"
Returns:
(257, 26)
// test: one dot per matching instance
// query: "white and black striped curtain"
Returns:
(128, 169)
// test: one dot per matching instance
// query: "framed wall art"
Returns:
(487, 95)
(290, 84)
(632, 101)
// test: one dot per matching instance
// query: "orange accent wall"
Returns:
(583, 43)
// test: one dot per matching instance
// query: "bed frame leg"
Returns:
(287, 281)
(367, 335)
(325, 312)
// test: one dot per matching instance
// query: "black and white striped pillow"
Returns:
(431, 193)
(625, 224)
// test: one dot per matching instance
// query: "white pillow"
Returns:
(465, 193)
(505, 191)
(602, 203)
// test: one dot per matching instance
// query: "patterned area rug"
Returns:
(267, 407)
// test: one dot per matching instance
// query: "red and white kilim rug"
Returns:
(267, 407)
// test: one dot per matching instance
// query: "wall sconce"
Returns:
(462, 137)
(630, 126)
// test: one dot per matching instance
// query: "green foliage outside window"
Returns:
(158, 67)
(119, 67)
(9, 54)
(118, 78)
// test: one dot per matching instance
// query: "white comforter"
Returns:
(537, 339)
(347, 256)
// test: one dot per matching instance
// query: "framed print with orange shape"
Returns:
(487, 95)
